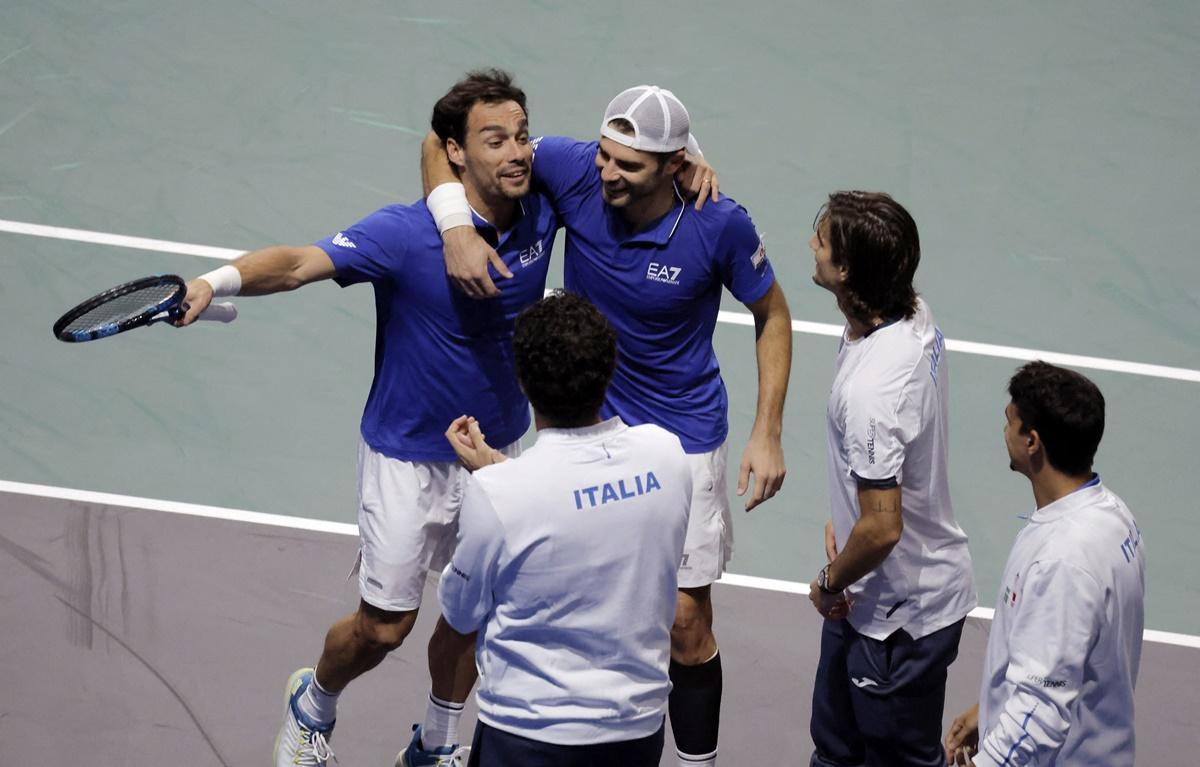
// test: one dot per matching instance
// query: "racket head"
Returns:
(131, 305)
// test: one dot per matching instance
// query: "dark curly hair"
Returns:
(490, 86)
(1066, 410)
(875, 238)
(565, 354)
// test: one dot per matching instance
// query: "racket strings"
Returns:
(122, 307)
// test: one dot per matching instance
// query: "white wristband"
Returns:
(693, 146)
(449, 206)
(225, 280)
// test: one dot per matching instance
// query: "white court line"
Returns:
(341, 528)
(1006, 352)
(734, 318)
(118, 240)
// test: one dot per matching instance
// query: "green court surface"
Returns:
(1048, 153)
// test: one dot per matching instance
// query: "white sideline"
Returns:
(736, 318)
(341, 528)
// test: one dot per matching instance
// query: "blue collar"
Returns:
(886, 323)
(488, 230)
(659, 233)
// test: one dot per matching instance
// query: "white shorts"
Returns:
(407, 524)
(709, 543)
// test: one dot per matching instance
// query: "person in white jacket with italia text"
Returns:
(567, 561)
(1063, 654)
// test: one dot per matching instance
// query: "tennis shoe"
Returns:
(446, 756)
(301, 742)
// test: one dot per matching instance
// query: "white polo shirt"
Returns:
(566, 565)
(887, 424)
(1063, 654)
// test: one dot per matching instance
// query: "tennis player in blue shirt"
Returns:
(437, 354)
(656, 267)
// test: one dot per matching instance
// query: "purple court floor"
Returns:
(132, 637)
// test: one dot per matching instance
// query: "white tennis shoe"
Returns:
(301, 741)
(416, 756)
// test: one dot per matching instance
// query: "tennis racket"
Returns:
(133, 305)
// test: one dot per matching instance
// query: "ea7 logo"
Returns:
(532, 253)
(662, 273)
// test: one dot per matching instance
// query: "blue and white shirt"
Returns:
(439, 353)
(660, 288)
(888, 424)
(566, 565)
(1066, 640)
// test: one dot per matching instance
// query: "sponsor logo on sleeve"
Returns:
(759, 260)
(454, 569)
(1046, 682)
(871, 442)
(342, 241)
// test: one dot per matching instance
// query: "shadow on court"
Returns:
(144, 638)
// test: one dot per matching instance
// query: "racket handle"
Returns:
(222, 312)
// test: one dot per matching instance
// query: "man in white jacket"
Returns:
(566, 561)
(1062, 658)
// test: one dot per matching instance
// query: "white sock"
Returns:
(441, 723)
(699, 760)
(318, 703)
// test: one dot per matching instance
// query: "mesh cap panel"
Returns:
(660, 121)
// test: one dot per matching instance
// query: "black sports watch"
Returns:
(823, 582)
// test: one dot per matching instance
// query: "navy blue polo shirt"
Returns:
(660, 289)
(439, 354)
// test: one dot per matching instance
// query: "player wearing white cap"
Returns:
(566, 561)
(1066, 640)
(898, 585)
(656, 267)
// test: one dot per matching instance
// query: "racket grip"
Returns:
(222, 312)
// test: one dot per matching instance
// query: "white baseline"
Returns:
(735, 318)
(342, 528)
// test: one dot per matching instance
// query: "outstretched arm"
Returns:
(467, 254)
(763, 456)
(275, 269)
